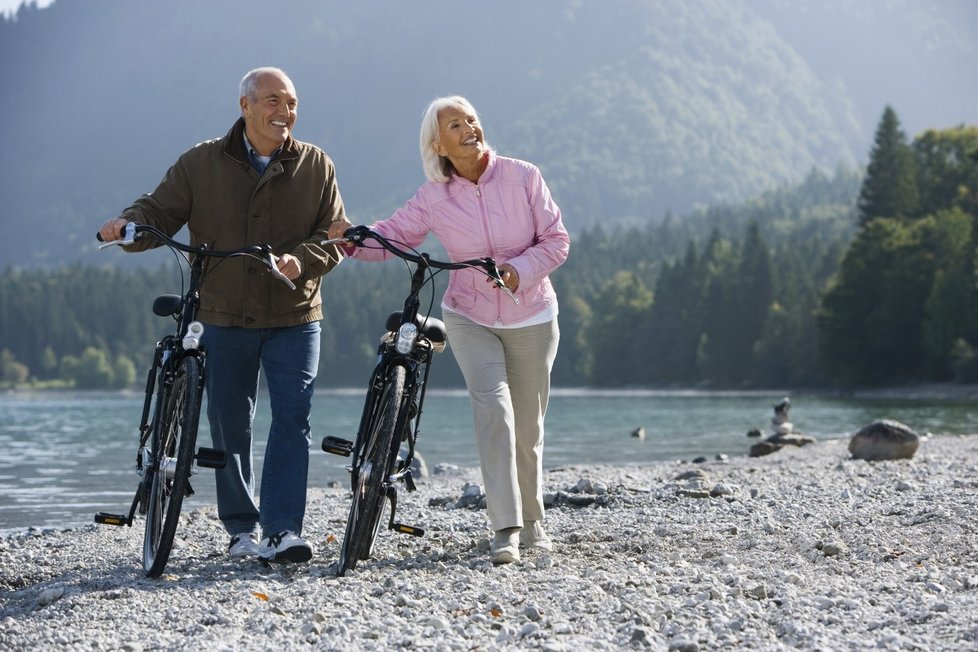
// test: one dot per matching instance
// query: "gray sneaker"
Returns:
(285, 547)
(244, 545)
(533, 536)
(505, 546)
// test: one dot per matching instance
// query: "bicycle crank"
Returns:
(403, 528)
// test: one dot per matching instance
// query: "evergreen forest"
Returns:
(849, 279)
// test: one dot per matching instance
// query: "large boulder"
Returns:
(884, 439)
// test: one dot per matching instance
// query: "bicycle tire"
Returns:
(370, 479)
(173, 444)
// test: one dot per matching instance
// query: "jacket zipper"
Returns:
(489, 244)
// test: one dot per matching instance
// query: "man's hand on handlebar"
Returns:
(338, 228)
(112, 229)
(289, 265)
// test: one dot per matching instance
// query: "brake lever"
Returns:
(353, 235)
(128, 237)
(497, 278)
(502, 286)
(273, 268)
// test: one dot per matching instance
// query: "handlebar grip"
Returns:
(98, 236)
(356, 234)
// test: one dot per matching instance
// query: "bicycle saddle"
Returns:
(167, 304)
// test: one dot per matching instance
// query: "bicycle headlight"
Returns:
(195, 330)
(406, 335)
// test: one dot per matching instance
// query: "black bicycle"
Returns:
(383, 453)
(165, 458)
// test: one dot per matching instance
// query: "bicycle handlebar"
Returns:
(358, 234)
(262, 253)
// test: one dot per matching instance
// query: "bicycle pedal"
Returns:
(111, 519)
(337, 445)
(407, 529)
(211, 458)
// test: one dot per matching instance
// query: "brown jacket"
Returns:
(213, 189)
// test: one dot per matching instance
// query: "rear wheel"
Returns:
(374, 466)
(173, 454)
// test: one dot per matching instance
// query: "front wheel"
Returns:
(174, 437)
(374, 466)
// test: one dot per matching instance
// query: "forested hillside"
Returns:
(839, 280)
(91, 324)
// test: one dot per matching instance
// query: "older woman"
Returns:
(480, 204)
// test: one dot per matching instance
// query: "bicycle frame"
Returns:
(168, 355)
(417, 363)
(165, 458)
(404, 358)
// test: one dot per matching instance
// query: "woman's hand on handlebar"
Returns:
(511, 278)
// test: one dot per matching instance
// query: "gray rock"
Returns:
(884, 439)
(419, 470)
(639, 432)
(693, 474)
(692, 493)
(762, 448)
(792, 439)
(50, 595)
(446, 468)
(472, 496)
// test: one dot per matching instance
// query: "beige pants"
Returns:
(507, 372)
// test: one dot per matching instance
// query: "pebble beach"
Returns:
(806, 548)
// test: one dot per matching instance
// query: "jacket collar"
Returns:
(233, 145)
(486, 175)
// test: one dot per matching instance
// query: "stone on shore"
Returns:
(884, 439)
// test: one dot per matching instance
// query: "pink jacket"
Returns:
(508, 215)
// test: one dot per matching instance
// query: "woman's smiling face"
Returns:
(460, 135)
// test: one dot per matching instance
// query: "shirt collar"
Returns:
(253, 152)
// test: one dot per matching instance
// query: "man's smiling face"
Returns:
(270, 115)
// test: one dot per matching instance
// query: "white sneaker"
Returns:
(285, 547)
(244, 545)
(533, 536)
(505, 547)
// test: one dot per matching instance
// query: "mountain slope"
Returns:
(631, 108)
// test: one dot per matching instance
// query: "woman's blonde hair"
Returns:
(438, 168)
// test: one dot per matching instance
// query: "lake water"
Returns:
(65, 456)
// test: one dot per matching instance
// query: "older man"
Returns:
(257, 184)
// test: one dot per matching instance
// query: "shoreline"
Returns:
(915, 391)
(803, 548)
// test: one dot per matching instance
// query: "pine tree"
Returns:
(890, 186)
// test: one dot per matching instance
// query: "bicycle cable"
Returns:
(431, 272)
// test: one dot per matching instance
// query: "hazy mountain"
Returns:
(631, 108)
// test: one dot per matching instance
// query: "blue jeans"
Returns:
(290, 359)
